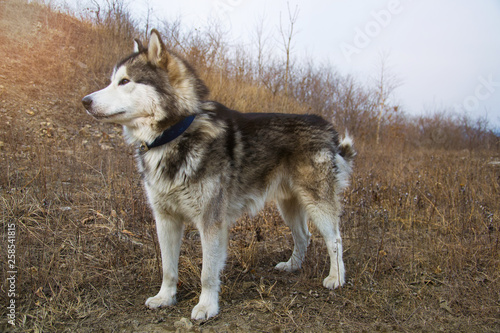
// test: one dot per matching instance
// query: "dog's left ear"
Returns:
(156, 48)
(138, 47)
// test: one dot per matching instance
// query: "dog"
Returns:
(205, 164)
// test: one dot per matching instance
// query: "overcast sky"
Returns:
(446, 52)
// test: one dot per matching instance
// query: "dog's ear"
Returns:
(156, 49)
(138, 47)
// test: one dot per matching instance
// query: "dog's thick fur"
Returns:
(226, 163)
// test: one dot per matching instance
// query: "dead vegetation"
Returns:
(421, 222)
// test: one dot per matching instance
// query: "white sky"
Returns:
(446, 52)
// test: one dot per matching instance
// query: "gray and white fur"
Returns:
(225, 164)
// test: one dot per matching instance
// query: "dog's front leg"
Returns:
(214, 243)
(169, 238)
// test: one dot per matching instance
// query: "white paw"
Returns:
(332, 282)
(287, 266)
(159, 301)
(204, 311)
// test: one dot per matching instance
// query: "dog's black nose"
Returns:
(87, 102)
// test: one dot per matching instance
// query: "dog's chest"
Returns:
(170, 186)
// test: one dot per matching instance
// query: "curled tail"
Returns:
(344, 162)
(346, 148)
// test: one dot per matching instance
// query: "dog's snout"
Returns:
(87, 102)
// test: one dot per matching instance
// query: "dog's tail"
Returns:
(346, 148)
(344, 162)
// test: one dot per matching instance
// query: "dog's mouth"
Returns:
(101, 116)
(88, 104)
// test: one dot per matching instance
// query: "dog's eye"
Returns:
(123, 82)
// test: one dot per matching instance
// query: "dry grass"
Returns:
(421, 226)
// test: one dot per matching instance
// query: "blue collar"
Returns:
(168, 135)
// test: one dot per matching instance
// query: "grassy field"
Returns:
(421, 225)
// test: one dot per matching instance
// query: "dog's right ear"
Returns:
(157, 54)
(138, 47)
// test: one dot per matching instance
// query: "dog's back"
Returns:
(268, 155)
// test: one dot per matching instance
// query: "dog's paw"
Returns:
(159, 301)
(287, 266)
(332, 282)
(204, 311)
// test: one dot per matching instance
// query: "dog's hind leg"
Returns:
(326, 217)
(296, 218)
(214, 240)
(169, 238)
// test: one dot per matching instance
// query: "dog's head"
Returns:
(152, 87)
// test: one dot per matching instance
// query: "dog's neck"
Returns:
(142, 135)
(168, 135)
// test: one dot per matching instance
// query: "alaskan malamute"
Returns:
(205, 164)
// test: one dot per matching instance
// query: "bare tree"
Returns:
(172, 30)
(286, 36)
(149, 12)
(216, 36)
(96, 11)
(353, 107)
(261, 39)
(385, 84)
